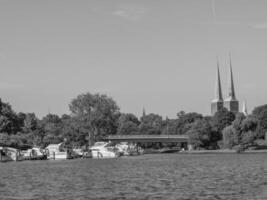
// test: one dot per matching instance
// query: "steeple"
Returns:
(231, 87)
(144, 112)
(217, 103)
(142, 118)
(218, 87)
(231, 103)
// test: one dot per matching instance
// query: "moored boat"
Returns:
(129, 149)
(104, 150)
(34, 153)
(10, 154)
(58, 152)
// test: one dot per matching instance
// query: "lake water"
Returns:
(158, 176)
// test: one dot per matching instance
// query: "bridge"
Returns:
(148, 138)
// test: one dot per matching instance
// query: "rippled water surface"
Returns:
(162, 176)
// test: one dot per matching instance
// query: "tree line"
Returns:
(94, 116)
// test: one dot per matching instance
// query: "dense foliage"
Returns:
(94, 116)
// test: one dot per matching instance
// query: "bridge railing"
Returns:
(147, 137)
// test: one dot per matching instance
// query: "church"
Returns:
(230, 103)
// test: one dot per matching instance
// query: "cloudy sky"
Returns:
(160, 55)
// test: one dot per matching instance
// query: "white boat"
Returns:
(57, 152)
(10, 154)
(78, 151)
(34, 153)
(104, 150)
(129, 149)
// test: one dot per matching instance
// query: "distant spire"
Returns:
(218, 87)
(144, 112)
(244, 109)
(231, 87)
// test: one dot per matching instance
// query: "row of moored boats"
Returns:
(60, 152)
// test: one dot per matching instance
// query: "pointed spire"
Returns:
(218, 87)
(231, 87)
(144, 112)
(244, 109)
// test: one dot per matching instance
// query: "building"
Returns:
(230, 103)
(217, 103)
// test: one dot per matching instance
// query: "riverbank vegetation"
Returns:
(94, 116)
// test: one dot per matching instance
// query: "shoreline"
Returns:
(224, 151)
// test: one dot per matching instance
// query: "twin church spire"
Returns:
(218, 88)
(231, 89)
(230, 103)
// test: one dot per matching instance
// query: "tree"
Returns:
(30, 122)
(151, 124)
(128, 128)
(4, 139)
(51, 124)
(49, 130)
(249, 124)
(248, 138)
(169, 127)
(185, 121)
(222, 119)
(241, 132)
(237, 128)
(128, 124)
(200, 134)
(97, 114)
(228, 137)
(260, 113)
(73, 132)
(219, 121)
(9, 121)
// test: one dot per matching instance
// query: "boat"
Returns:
(78, 151)
(10, 154)
(58, 152)
(34, 153)
(104, 150)
(129, 149)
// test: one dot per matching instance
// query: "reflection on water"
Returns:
(169, 176)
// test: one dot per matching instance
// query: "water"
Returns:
(161, 176)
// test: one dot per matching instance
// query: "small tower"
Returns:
(244, 109)
(231, 103)
(217, 103)
(144, 112)
(143, 116)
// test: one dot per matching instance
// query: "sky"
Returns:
(158, 55)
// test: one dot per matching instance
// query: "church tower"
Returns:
(217, 103)
(231, 103)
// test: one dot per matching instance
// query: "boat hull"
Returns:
(104, 154)
(59, 156)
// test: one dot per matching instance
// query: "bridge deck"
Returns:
(148, 138)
